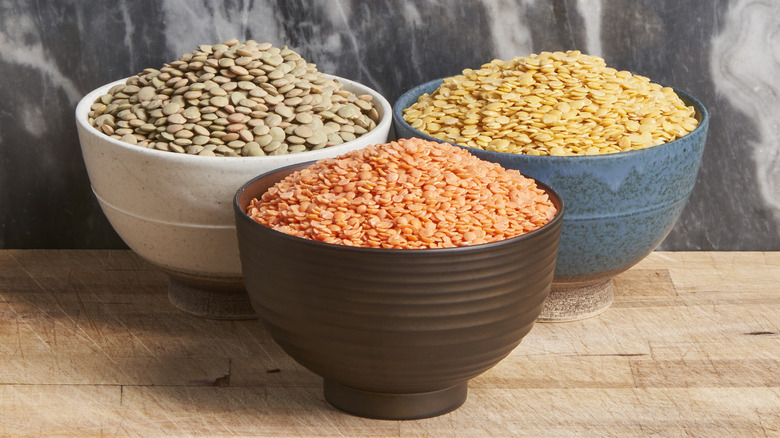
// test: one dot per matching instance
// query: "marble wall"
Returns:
(725, 52)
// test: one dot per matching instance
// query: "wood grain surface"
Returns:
(90, 346)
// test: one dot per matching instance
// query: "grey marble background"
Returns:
(725, 52)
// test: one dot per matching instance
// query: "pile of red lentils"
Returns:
(406, 194)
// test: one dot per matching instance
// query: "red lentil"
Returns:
(406, 194)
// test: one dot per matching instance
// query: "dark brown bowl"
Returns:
(395, 333)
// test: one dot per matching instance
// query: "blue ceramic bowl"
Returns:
(620, 206)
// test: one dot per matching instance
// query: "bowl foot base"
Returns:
(394, 406)
(214, 299)
(573, 302)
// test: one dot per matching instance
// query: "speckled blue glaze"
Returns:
(619, 207)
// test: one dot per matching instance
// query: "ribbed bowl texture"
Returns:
(619, 207)
(391, 320)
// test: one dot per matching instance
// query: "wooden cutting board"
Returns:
(90, 346)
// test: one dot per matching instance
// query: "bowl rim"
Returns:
(243, 216)
(82, 109)
(700, 109)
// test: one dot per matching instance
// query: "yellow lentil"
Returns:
(552, 103)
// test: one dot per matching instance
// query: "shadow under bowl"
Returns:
(620, 206)
(395, 333)
(175, 210)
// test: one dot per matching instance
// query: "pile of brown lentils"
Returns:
(553, 103)
(234, 99)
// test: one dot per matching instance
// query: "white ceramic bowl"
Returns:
(175, 210)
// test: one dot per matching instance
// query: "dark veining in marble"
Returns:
(53, 52)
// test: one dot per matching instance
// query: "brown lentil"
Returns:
(553, 103)
(407, 194)
(231, 87)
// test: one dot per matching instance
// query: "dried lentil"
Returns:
(233, 87)
(407, 194)
(553, 103)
